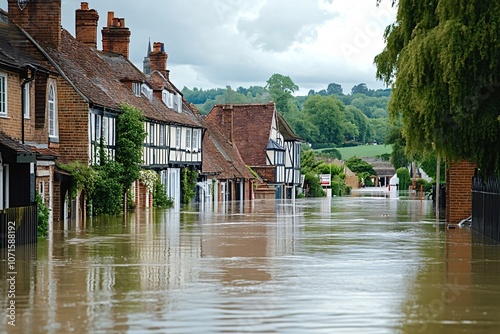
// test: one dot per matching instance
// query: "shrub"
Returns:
(43, 217)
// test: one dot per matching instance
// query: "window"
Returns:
(177, 137)
(176, 103)
(188, 139)
(162, 134)
(52, 112)
(151, 133)
(98, 129)
(136, 88)
(3, 94)
(26, 111)
(194, 144)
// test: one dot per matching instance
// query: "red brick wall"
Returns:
(459, 191)
(86, 25)
(141, 193)
(41, 19)
(11, 125)
(73, 115)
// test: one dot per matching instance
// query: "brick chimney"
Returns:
(86, 25)
(116, 37)
(227, 121)
(158, 58)
(39, 18)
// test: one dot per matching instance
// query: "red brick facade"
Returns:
(116, 36)
(41, 19)
(86, 25)
(459, 191)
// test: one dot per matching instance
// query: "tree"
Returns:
(334, 89)
(130, 135)
(327, 114)
(360, 89)
(281, 88)
(442, 59)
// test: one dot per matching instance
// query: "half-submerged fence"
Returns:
(19, 224)
(486, 206)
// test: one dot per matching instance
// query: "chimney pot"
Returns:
(84, 6)
(111, 15)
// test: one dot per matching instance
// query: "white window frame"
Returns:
(3, 95)
(194, 142)
(27, 100)
(52, 111)
(152, 133)
(136, 88)
(189, 139)
(162, 134)
(177, 137)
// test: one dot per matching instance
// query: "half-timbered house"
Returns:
(85, 94)
(255, 130)
(181, 134)
(225, 177)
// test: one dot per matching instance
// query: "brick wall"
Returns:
(11, 124)
(86, 21)
(41, 19)
(73, 115)
(143, 198)
(459, 191)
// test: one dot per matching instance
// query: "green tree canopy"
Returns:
(327, 114)
(442, 59)
(281, 88)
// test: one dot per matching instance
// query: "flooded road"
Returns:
(360, 264)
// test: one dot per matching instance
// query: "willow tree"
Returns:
(442, 59)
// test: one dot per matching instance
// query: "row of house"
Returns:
(60, 97)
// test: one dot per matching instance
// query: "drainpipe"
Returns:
(23, 103)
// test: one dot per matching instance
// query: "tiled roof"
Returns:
(101, 77)
(14, 145)
(286, 130)
(222, 157)
(16, 50)
(251, 129)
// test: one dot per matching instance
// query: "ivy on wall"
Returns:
(188, 184)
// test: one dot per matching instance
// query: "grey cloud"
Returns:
(281, 23)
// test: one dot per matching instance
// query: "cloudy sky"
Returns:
(215, 43)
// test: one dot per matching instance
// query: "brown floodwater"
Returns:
(361, 264)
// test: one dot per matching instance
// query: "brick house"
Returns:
(26, 100)
(255, 130)
(88, 87)
(224, 172)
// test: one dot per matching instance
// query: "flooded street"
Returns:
(360, 264)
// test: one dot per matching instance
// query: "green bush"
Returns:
(404, 178)
(312, 186)
(43, 217)
(160, 198)
(108, 193)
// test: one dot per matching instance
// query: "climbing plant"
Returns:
(43, 217)
(130, 135)
(188, 184)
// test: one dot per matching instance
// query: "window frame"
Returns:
(27, 100)
(3, 94)
(52, 112)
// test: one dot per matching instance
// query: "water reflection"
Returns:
(359, 264)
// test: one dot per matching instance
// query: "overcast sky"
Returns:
(215, 43)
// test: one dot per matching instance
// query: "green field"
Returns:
(363, 151)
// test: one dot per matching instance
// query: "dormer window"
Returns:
(136, 88)
(177, 103)
(148, 92)
(168, 98)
